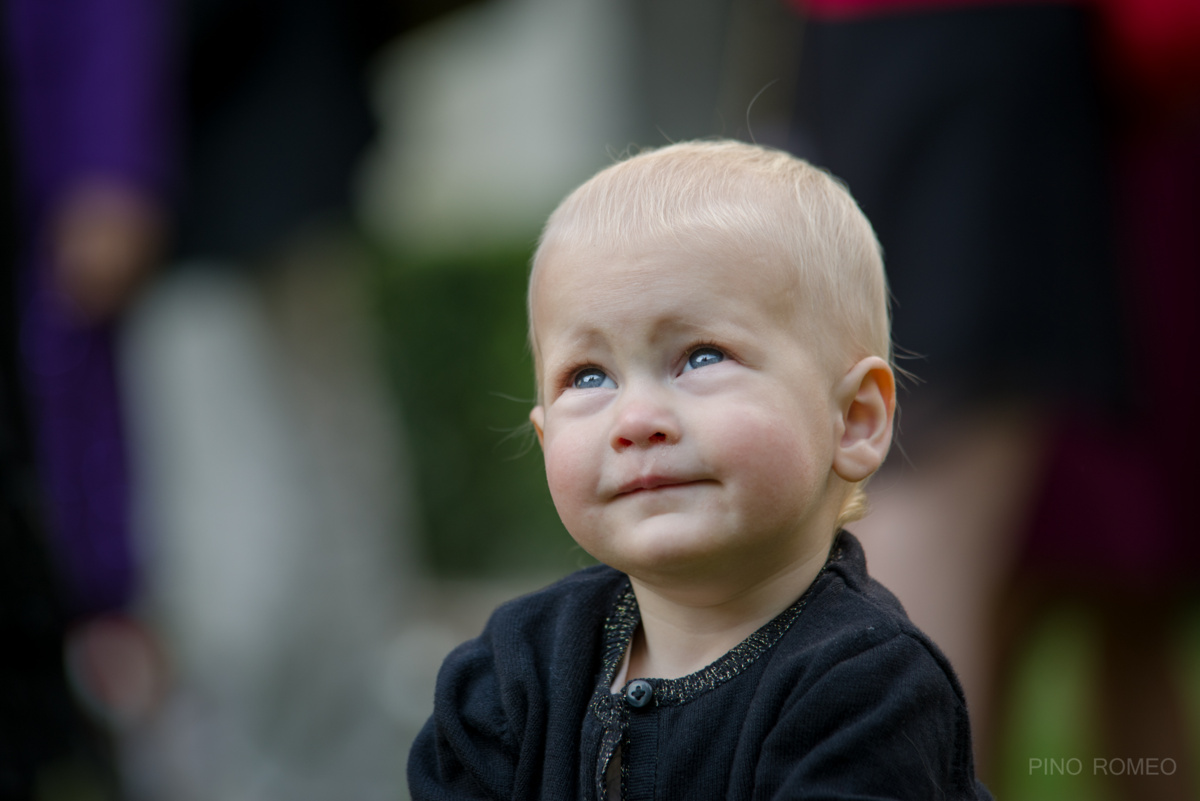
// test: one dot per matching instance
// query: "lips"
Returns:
(651, 483)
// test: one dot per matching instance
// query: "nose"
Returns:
(643, 420)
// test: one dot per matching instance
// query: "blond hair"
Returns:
(769, 208)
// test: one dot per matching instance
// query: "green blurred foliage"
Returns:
(454, 336)
(1052, 715)
(1054, 711)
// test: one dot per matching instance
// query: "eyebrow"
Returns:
(673, 327)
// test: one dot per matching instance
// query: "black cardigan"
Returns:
(840, 697)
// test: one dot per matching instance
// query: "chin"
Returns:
(666, 550)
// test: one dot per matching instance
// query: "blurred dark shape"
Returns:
(972, 141)
(1115, 522)
(277, 114)
(1151, 49)
(1117, 516)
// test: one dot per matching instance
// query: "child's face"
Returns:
(688, 428)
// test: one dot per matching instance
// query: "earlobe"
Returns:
(538, 417)
(867, 403)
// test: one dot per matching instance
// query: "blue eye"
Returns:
(702, 357)
(592, 378)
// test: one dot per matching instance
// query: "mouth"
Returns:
(652, 483)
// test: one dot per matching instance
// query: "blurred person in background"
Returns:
(90, 89)
(44, 736)
(1035, 460)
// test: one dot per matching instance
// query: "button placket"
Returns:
(639, 756)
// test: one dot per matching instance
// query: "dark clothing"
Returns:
(41, 728)
(91, 95)
(839, 697)
(971, 136)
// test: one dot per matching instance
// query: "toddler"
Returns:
(710, 336)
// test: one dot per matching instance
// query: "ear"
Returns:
(538, 418)
(866, 398)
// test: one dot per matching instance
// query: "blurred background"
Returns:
(265, 380)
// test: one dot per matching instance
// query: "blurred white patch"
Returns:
(489, 119)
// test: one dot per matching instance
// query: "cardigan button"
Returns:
(639, 693)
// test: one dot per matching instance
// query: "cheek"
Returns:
(571, 470)
(776, 460)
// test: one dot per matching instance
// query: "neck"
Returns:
(682, 632)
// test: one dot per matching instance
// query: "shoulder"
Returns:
(850, 616)
(858, 684)
(575, 594)
(535, 631)
(502, 695)
(562, 618)
(852, 625)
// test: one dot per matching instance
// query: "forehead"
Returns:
(674, 285)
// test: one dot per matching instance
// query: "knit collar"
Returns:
(624, 619)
